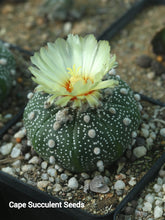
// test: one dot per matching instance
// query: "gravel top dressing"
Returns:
(96, 192)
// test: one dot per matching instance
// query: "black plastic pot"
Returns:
(12, 189)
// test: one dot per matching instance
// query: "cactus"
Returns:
(87, 131)
(7, 69)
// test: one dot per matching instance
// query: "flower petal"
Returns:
(90, 47)
(106, 84)
(76, 53)
(63, 101)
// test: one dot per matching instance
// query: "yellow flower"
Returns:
(72, 70)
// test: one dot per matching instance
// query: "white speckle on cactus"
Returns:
(86, 118)
(51, 143)
(92, 133)
(31, 115)
(134, 134)
(3, 61)
(124, 91)
(96, 150)
(51, 160)
(100, 165)
(126, 121)
(29, 95)
(137, 97)
(56, 126)
(112, 110)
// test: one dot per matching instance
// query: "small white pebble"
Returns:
(159, 181)
(8, 116)
(44, 165)
(9, 170)
(100, 165)
(16, 151)
(6, 148)
(97, 184)
(64, 176)
(162, 132)
(147, 207)
(20, 134)
(151, 75)
(51, 160)
(158, 212)
(132, 181)
(150, 198)
(51, 179)
(119, 185)
(16, 164)
(27, 168)
(57, 187)
(67, 27)
(86, 185)
(134, 134)
(157, 187)
(52, 172)
(149, 141)
(137, 97)
(27, 156)
(29, 143)
(85, 175)
(44, 176)
(139, 151)
(42, 184)
(162, 173)
(57, 167)
(73, 183)
(145, 132)
(153, 135)
(34, 160)
(163, 186)
(159, 202)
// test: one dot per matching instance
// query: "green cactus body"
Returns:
(7, 68)
(84, 140)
